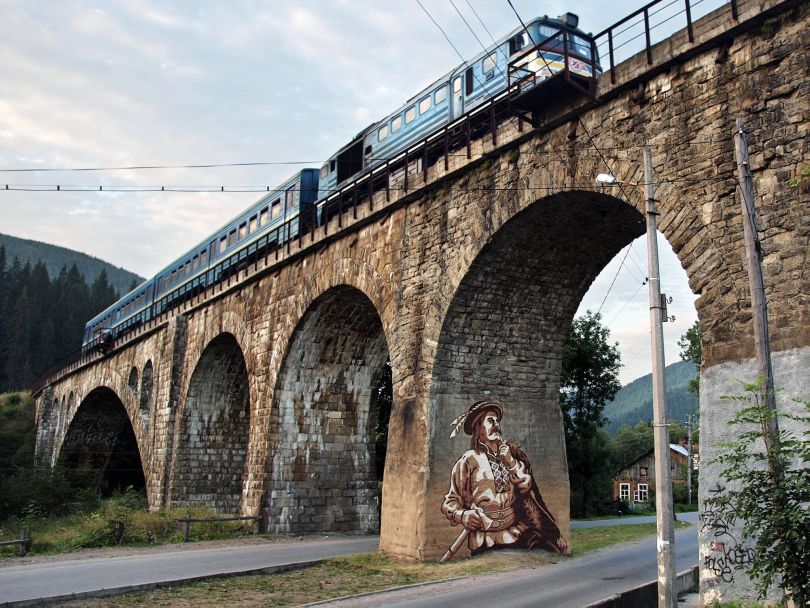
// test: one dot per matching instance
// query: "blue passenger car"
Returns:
(280, 215)
(539, 52)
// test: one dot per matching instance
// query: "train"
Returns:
(545, 46)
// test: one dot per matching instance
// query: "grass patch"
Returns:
(357, 574)
(121, 520)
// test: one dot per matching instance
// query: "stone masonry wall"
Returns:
(469, 285)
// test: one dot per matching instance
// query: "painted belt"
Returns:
(501, 519)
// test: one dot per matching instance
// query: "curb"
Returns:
(157, 585)
(645, 595)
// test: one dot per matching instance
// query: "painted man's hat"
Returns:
(471, 417)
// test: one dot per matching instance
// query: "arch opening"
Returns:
(503, 335)
(145, 398)
(210, 462)
(100, 448)
(132, 383)
(330, 389)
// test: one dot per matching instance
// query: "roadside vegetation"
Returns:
(363, 573)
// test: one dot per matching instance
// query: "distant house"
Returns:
(635, 480)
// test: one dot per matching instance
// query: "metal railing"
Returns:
(187, 521)
(641, 30)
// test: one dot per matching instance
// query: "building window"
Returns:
(489, 63)
(382, 133)
(643, 472)
(642, 493)
(624, 491)
(440, 95)
(410, 114)
(396, 124)
(424, 105)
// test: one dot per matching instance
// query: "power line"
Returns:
(91, 188)
(666, 144)
(481, 21)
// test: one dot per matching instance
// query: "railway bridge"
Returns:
(259, 395)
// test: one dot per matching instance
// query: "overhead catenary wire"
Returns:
(97, 188)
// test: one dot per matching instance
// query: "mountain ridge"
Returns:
(56, 257)
(633, 403)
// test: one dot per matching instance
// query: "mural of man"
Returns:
(492, 492)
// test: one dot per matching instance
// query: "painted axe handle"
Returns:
(455, 546)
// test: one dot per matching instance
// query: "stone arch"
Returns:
(322, 466)
(132, 383)
(209, 465)
(145, 395)
(502, 335)
(100, 439)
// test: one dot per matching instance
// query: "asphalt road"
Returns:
(76, 577)
(570, 583)
(616, 570)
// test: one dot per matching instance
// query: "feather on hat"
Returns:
(468, 418)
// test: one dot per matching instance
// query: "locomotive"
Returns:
(541, 49)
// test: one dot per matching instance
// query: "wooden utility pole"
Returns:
(667, 597)
(753, 262)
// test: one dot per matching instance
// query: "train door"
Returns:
(457, 98)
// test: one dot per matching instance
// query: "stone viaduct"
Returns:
(258, 396)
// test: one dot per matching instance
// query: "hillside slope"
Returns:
(634, 401)
(55, 258)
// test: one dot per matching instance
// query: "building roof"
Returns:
(674, 447)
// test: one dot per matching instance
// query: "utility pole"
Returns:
(689, 458)
(753, 262)
(663, 482)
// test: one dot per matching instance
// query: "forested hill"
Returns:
(56, 258)
(633, 402)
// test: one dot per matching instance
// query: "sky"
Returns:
(132, 82)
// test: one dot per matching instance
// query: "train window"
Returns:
(440, 95)
(489, 62)
(242, 231)
(324, 171)
(203, 258)
(410, 114)
(457, 85)
(518, 43)
(195, 263)
(173, 277)
(292, 198)
(223, 243)
(263, 217)
(424, 105)
(331, 166)
(396, 124)
(382, 132)
(252, 226)
(276, 209)
(232, 238)
(468, 78)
